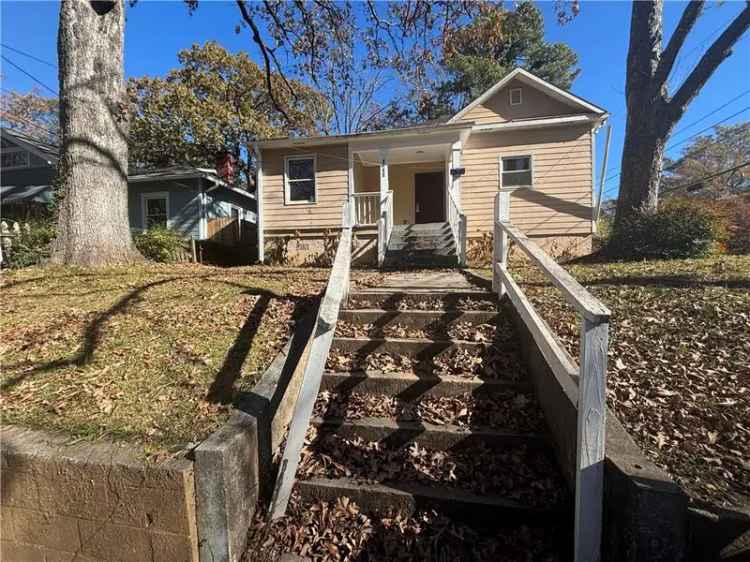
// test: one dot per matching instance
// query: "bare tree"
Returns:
(93, 226)
(652, 112)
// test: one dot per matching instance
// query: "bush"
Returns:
(680, 228)
(31, 246)
(160, 244)
(738, 241)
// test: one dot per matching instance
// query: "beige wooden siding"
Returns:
(560, 202)
(535, 103)
(331, 185)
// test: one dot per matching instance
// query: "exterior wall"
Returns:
(331, 184)
(559, 205)
(219, 203)
(184, 204)
(92, 502)
(497, 108)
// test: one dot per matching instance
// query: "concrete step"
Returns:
(431, 299)
(422, 244)
(411, 386)
(421, 228)
(395, 434)
(418, 348)
(408, 497)
(417, 318)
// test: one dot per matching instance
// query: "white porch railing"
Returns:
(590, 374)
(366, 207)
(457, 221)
(385, 225)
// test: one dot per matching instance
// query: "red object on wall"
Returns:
(225, 167)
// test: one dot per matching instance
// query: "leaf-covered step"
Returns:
(520, 474)
(423, 300)
(395, 434)
(485, 362)
(418, 348)
(427, 320)
(436, 330)
(411, 386)
(508, 411)
(341, 529)
(408, 497)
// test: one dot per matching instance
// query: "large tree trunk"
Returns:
(93, 227)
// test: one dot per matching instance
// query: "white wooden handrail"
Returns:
(366, 207)
(457, 221)
(319, 346)
(385, 225)
(591, 370)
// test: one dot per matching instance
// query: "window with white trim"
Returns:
(299, 175)
(155, 210)
(516, 97)
(14, 158)
(515, 171)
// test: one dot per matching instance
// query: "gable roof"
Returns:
(41, 149)
(536, 82)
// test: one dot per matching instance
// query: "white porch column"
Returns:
(384, 187)
(259, 202)
(456, 163)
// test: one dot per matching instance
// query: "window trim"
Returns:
(153, 195)
(502, 171)
(520, 96)
(287, 159)
(13, 149)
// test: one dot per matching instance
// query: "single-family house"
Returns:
(424, 194)
(195, 202)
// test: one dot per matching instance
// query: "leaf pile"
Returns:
(406, 301)
(338, 531)
(512, 411)
(516, 473)
(439, 331)
(679, 362)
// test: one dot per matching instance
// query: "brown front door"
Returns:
(429, 197)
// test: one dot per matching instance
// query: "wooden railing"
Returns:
(366, 208)
(457, 221)
(385, 225)
(317, 353)
(590, 373)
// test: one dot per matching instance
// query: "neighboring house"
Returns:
(523, 134)
(195, 202)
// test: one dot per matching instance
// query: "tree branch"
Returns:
(267, 61)
(710, 61)
(689, 16)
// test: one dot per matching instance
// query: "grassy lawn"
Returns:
(679, 362)
(152, 354)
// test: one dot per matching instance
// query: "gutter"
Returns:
(540, 123)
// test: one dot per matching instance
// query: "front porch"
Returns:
(396, 187)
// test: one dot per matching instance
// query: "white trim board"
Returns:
(528, 78)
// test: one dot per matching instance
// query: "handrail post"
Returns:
(462, 240)
(500, 240)
(592, 413)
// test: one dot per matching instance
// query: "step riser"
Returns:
(417, 349)
(395, 435)
(410, 388)
(409, 498)
(446, 301)
(416, 318)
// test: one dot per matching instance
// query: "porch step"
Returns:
(421, 245)
(417, 318)
(418, 348)
(430, 299)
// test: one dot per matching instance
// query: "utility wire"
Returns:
(25, 54)
(34, 78)
(7, 116)
(690, 184)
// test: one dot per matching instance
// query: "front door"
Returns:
(429, 197)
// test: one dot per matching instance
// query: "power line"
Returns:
(702, 150)
(688, 185)
(34, 78)
(25, 54)
(5, 115)
(711, 113)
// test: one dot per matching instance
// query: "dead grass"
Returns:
(152, 354)
(679, 362)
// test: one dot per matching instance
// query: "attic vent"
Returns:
(515, 96)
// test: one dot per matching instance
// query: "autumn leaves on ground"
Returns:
(151, 354)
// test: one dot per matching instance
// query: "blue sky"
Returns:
(155, 31)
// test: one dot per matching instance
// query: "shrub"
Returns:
(738, 241)
(160, 244)
(680, 228)
(31, 246)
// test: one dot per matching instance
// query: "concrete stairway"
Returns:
(422, 246)
(425, 406)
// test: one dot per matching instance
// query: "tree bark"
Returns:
(651, 113)
(93, 225)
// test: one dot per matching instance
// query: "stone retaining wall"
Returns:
(92, 502)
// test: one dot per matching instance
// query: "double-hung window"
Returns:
(155, 210)
(13, 158)
(299, 179)
(516, 171)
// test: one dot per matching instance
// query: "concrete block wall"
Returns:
(92, 502)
